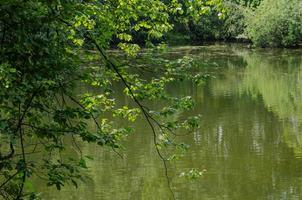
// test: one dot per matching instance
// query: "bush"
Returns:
(275, 23)
(208, 28)
(234, 22)
(229, 25)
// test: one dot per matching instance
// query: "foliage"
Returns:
(234, 22)
(223, 22)
(48, 49)
(251, 3)
(275, 23)
(266, 23)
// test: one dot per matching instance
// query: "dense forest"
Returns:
(52, 49)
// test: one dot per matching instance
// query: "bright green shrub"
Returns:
(275, 23)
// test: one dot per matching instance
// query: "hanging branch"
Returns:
(146, 114)
(142, 108)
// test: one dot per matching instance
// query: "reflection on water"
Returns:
(250, 141)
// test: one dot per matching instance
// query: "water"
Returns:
(250, 141)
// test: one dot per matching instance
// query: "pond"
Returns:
(250, 140)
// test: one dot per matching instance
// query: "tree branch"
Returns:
(145, 113)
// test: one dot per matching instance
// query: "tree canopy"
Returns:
(49, 48)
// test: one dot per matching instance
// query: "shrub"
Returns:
(228, 25)
(275, 23)
(234, 22)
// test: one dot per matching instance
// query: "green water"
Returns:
(250, 140)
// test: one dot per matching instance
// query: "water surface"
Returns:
(250, 140)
